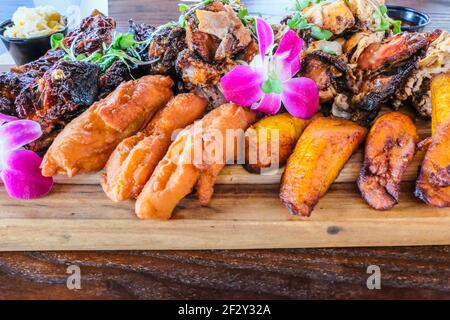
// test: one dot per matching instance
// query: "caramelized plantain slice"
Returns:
(261, 136)
(390, 147)
(440, 101)
(433, 185)
(320, 154)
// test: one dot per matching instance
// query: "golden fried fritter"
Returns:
(320, 154)
(285, 127)
(87, 142)
(180, 169)
(390, 147)
(133, 161)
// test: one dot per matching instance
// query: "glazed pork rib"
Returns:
(53, 92)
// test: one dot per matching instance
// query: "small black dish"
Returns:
(412, 20)
(29, 49)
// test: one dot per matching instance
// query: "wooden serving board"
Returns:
(245, 213)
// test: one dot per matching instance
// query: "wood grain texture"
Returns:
(407, 272)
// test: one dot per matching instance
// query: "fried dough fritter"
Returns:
(289, 130)
(390, 147)
(320, 154)
(134, 159)
(180, 170)
(87, 142)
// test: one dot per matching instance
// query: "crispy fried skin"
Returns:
(87, 142)
(390, 147)
(133, 161)
(433, 185)
(284, 126)
(179, 171)
(320, 154)
(440, 100)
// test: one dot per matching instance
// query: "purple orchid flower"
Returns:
(19, 168)
(268, 80)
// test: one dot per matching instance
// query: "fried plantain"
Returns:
(433, 185)
(390, 147)
(133, 161)
(440, 101)
(262, 135)
(320, 154)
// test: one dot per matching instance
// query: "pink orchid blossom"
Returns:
(19, 168)
(269, 80)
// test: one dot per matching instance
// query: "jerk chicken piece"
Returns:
(216, 39)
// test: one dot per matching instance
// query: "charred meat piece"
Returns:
(378, 89)
(94, 31)
(167, 42)
(390, 147)
(331, 74)
(65, 90)
(215, 32)
(391, 50)
(196, 72)
(112, 78)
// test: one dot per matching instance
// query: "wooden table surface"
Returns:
(406, 273)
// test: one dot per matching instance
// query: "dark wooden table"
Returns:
(406, 273)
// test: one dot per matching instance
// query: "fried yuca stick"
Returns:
(320, 154)
(285, 127)
(86, 143)
(390, 148)
(133, 161)
(179, 171)
(433, 185)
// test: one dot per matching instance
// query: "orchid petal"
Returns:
(300, 97)
(243, 85)
(6, 118)
(22, 176)
(269, 104)
(265, 36)
(16, 134)
(288, 55)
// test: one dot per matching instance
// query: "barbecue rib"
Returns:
(53, 92)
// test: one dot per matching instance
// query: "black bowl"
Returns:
(26, 50)
(412, 20)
